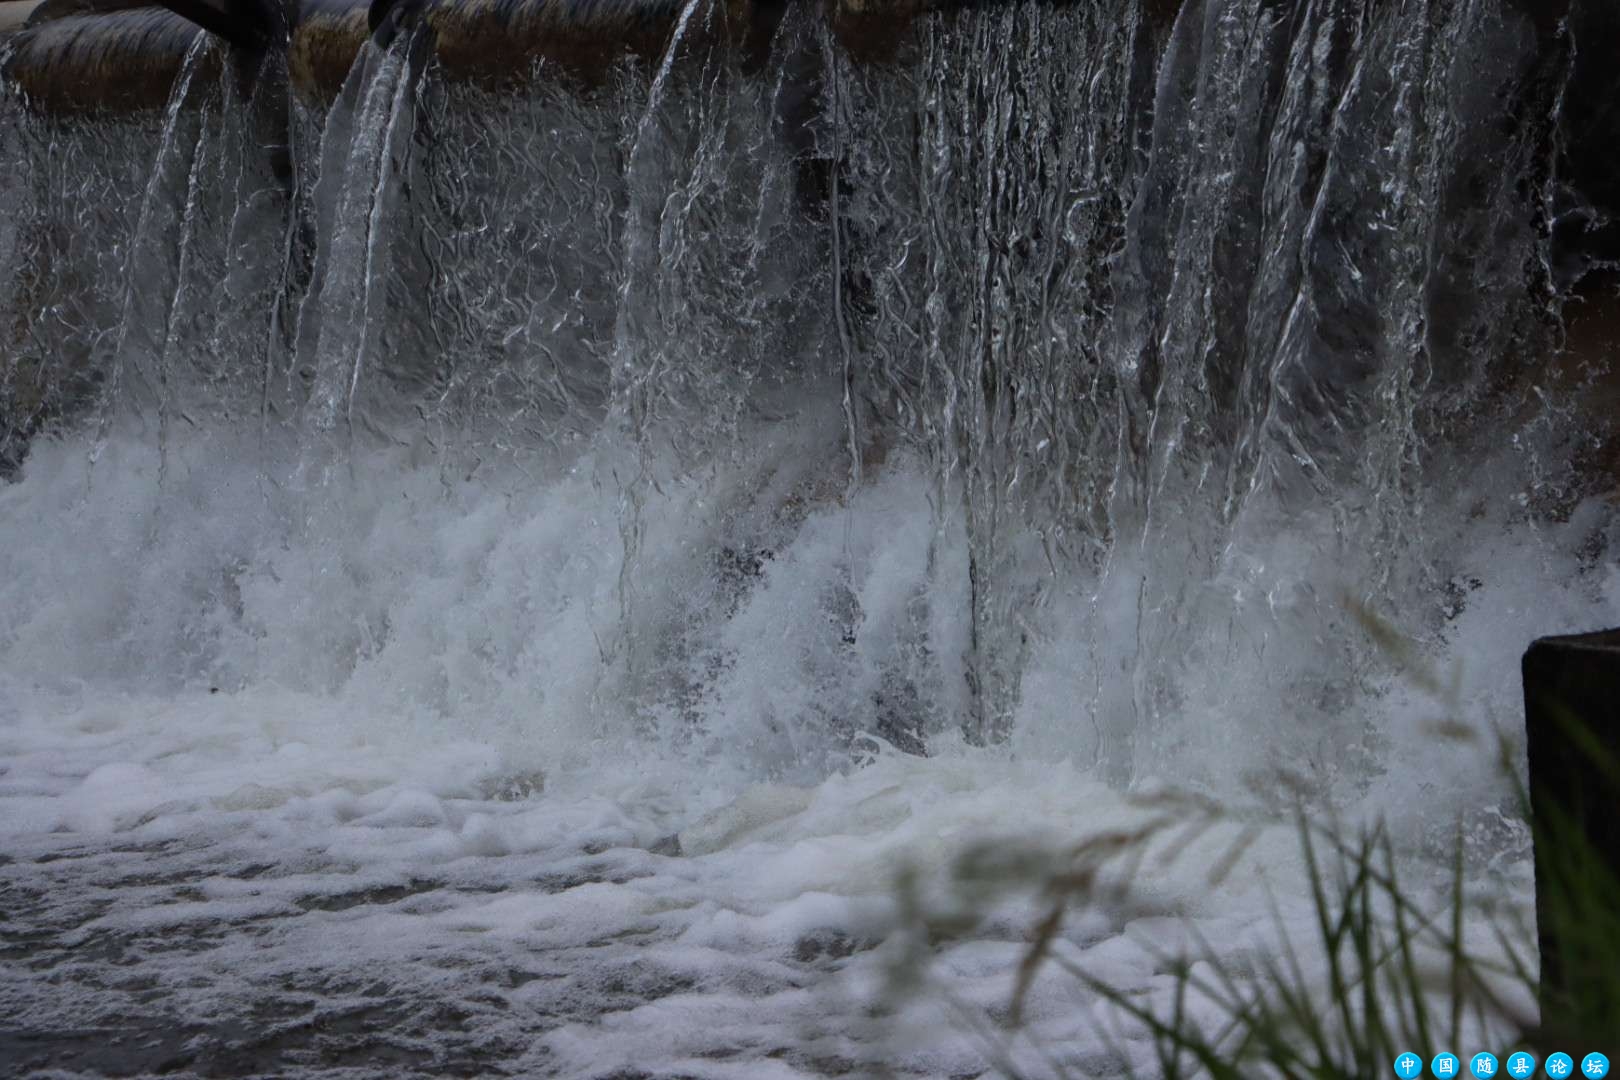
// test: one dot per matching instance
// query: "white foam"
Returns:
(263, 740)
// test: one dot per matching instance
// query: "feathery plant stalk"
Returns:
(1386, 969)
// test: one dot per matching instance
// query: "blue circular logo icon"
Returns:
(1560, 1066)
(1446, 1066)
(1483, 1066)
(1408, 1067)
(1521, 1066)
(1594, 1067)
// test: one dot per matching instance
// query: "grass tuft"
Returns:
(1389, 966)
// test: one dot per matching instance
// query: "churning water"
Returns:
(398, 553)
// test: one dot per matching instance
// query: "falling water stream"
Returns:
(801, 467)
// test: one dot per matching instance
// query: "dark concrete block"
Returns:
(1572, 723)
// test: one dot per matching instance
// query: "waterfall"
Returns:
(148, 290)
(358, 176)
(1166, 342)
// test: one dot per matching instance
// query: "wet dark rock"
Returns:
(1586, 235)
(498, 45)
(822, 945)
(14, 14)
(512, 787)
(107, 61)
(383, 895)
